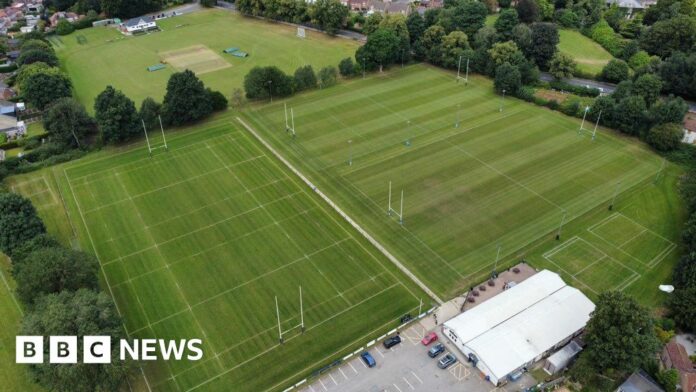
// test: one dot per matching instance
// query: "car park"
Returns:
(368, 359)
(436, 350)
(392, 341)
(429, 338)
(447, 361)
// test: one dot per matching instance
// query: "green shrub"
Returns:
(604, 35)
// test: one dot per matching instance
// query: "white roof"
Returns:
(533, 331)
(505, 305)
(562, 356)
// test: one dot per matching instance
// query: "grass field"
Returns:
(104, 56)
(197, 242)
(500, 179)
(589, 55)
(12, 377)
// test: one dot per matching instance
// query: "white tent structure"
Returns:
(560, 360)
(520, 326)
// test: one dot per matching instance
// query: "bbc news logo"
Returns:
(97, 349)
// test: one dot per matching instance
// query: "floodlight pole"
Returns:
(613, 199)
(401, 212)
(149, 149)
(389, 202)
(560, 227)
(350, 153)
(459, 66)
(301, 312)
(502, 101)
(420, 306)
(582, 124)
(280, 331)
(292, 119)
(594, 133)
(163, 138)
(270, 90)
(285, 108)
(466, 80)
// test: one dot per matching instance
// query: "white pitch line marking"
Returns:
(333, 379)
(397, 387)
(322, 385)
(351, 366)
(344, 375)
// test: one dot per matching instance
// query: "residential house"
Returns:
(674, 356)
(35, 7)
(389, 7)
(138, 25)
(631, 5)
(58, 16)
(640, 382)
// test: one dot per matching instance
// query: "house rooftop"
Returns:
(140, 20)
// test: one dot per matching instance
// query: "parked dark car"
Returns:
(436, 350)
(392, 341)
(447, 361)
(367, 358)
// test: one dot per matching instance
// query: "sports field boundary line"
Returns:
(345, 216)
(101, 267)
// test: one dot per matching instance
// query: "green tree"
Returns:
(615, 71)
(52, 270)
(381, 49)
(507, 78)
(544, 40)
(546, 9)
(528, 11)
(522, 35)
(620, 333)
(67, 121)
(416, 26)
(328, 14)
(670, 110)
(629, 116)
(186, 99)
(40, 241)
(37, 55)
(150, 110)
(116, 116)
(218, 101)
(452, 48)
(36, 44)
(689, 236)
(328, 76)
(639, 60)
(24, 72)
(305, 78)
(682, 305)
(562, 66)
(665, 137)
(64, 27)
(261, 82)
(372, 23)
(647, 86)
(684, 274)
(504, 52)
(669, 379)
(672, 35)
(18, 222)
(43, 88)
(346, 67)
(468, 16)
(81, 313)
(507, 21)
(678, 73)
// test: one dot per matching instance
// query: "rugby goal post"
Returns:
(301, 32)
(150, 148)
(301, 325)
(390, 210)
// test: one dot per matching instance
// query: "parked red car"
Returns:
(429, 338)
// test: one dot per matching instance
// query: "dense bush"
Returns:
(577, 90)
(665, 137)
(604, 35)
(615, 71)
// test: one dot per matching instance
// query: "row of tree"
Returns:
(59, 290)
(116, 118)
(682, 303)
(271, 81)
(329, 15)
(112, 8)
